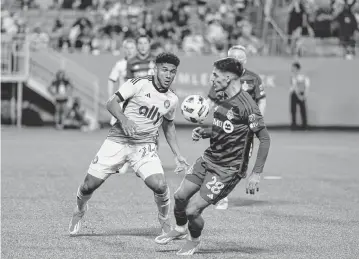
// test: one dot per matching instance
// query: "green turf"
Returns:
(312, 212)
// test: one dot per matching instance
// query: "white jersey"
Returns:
(118, 72)
(146, 105)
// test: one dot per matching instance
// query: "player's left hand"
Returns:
(181, 163)
(253, 183)
(197, 133)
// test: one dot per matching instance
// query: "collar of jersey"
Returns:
(164, 90)
(231, 98)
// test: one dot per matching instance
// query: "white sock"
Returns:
(197, 239)
(181, 229)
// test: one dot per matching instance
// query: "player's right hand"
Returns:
(129, 127)
(197, 133)
(253, 183)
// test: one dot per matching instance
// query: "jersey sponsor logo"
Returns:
(228, 127)
(253, 125)
(167, 104)
(230, 114)
(252, 117)
(150, 113)
(217, 122)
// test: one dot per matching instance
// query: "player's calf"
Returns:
(161, 192)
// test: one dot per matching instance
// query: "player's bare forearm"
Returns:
(262, 103)
(115, 109)
(264, 144)
(169, 131)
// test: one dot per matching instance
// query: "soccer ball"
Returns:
(195, 108)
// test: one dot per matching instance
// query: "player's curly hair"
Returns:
(231, 65)
(167, 57)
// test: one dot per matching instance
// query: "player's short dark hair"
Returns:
(167, 57)
(297, 65)
(143, 36)
(231, 65)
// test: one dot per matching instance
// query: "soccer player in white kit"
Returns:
(148, 103)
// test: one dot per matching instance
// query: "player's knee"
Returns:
(192, 212)
(160, 187)
(179, 196)
(90, 185)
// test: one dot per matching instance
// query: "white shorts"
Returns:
(143, 158)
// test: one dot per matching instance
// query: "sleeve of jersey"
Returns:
(259, 89)
(128, 90)
(170, 115)
(115, 73)
(255, 120)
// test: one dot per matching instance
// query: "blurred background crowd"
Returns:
(201, 26)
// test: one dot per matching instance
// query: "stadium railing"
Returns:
(15, 56)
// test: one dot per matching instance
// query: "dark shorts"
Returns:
(216, 182)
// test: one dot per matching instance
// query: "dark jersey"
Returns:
(251, 83)
(140, 67)
(234, 122)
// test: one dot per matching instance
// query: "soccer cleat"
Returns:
(75, 223)
(222, 204)
(189, 248)
(165, 238)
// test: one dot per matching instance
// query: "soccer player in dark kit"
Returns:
(224, 163)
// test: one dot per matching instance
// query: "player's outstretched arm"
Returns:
(169, 131)
(254, 177)
(201, 133)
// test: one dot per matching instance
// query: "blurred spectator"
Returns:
(133, 30)
(80, 33)
(66, 4)
(181, 19)
(166, 31)
(39, 39)
(194, 42)
(322, 25)
(8, 23)
(217, 37)
(75, 116)
(298, 95)
(347, 27)
(107, 23)
(148, 24)
(61, 89)
(252, 44)
(298, 26)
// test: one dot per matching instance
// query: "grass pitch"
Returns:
(311, 212)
